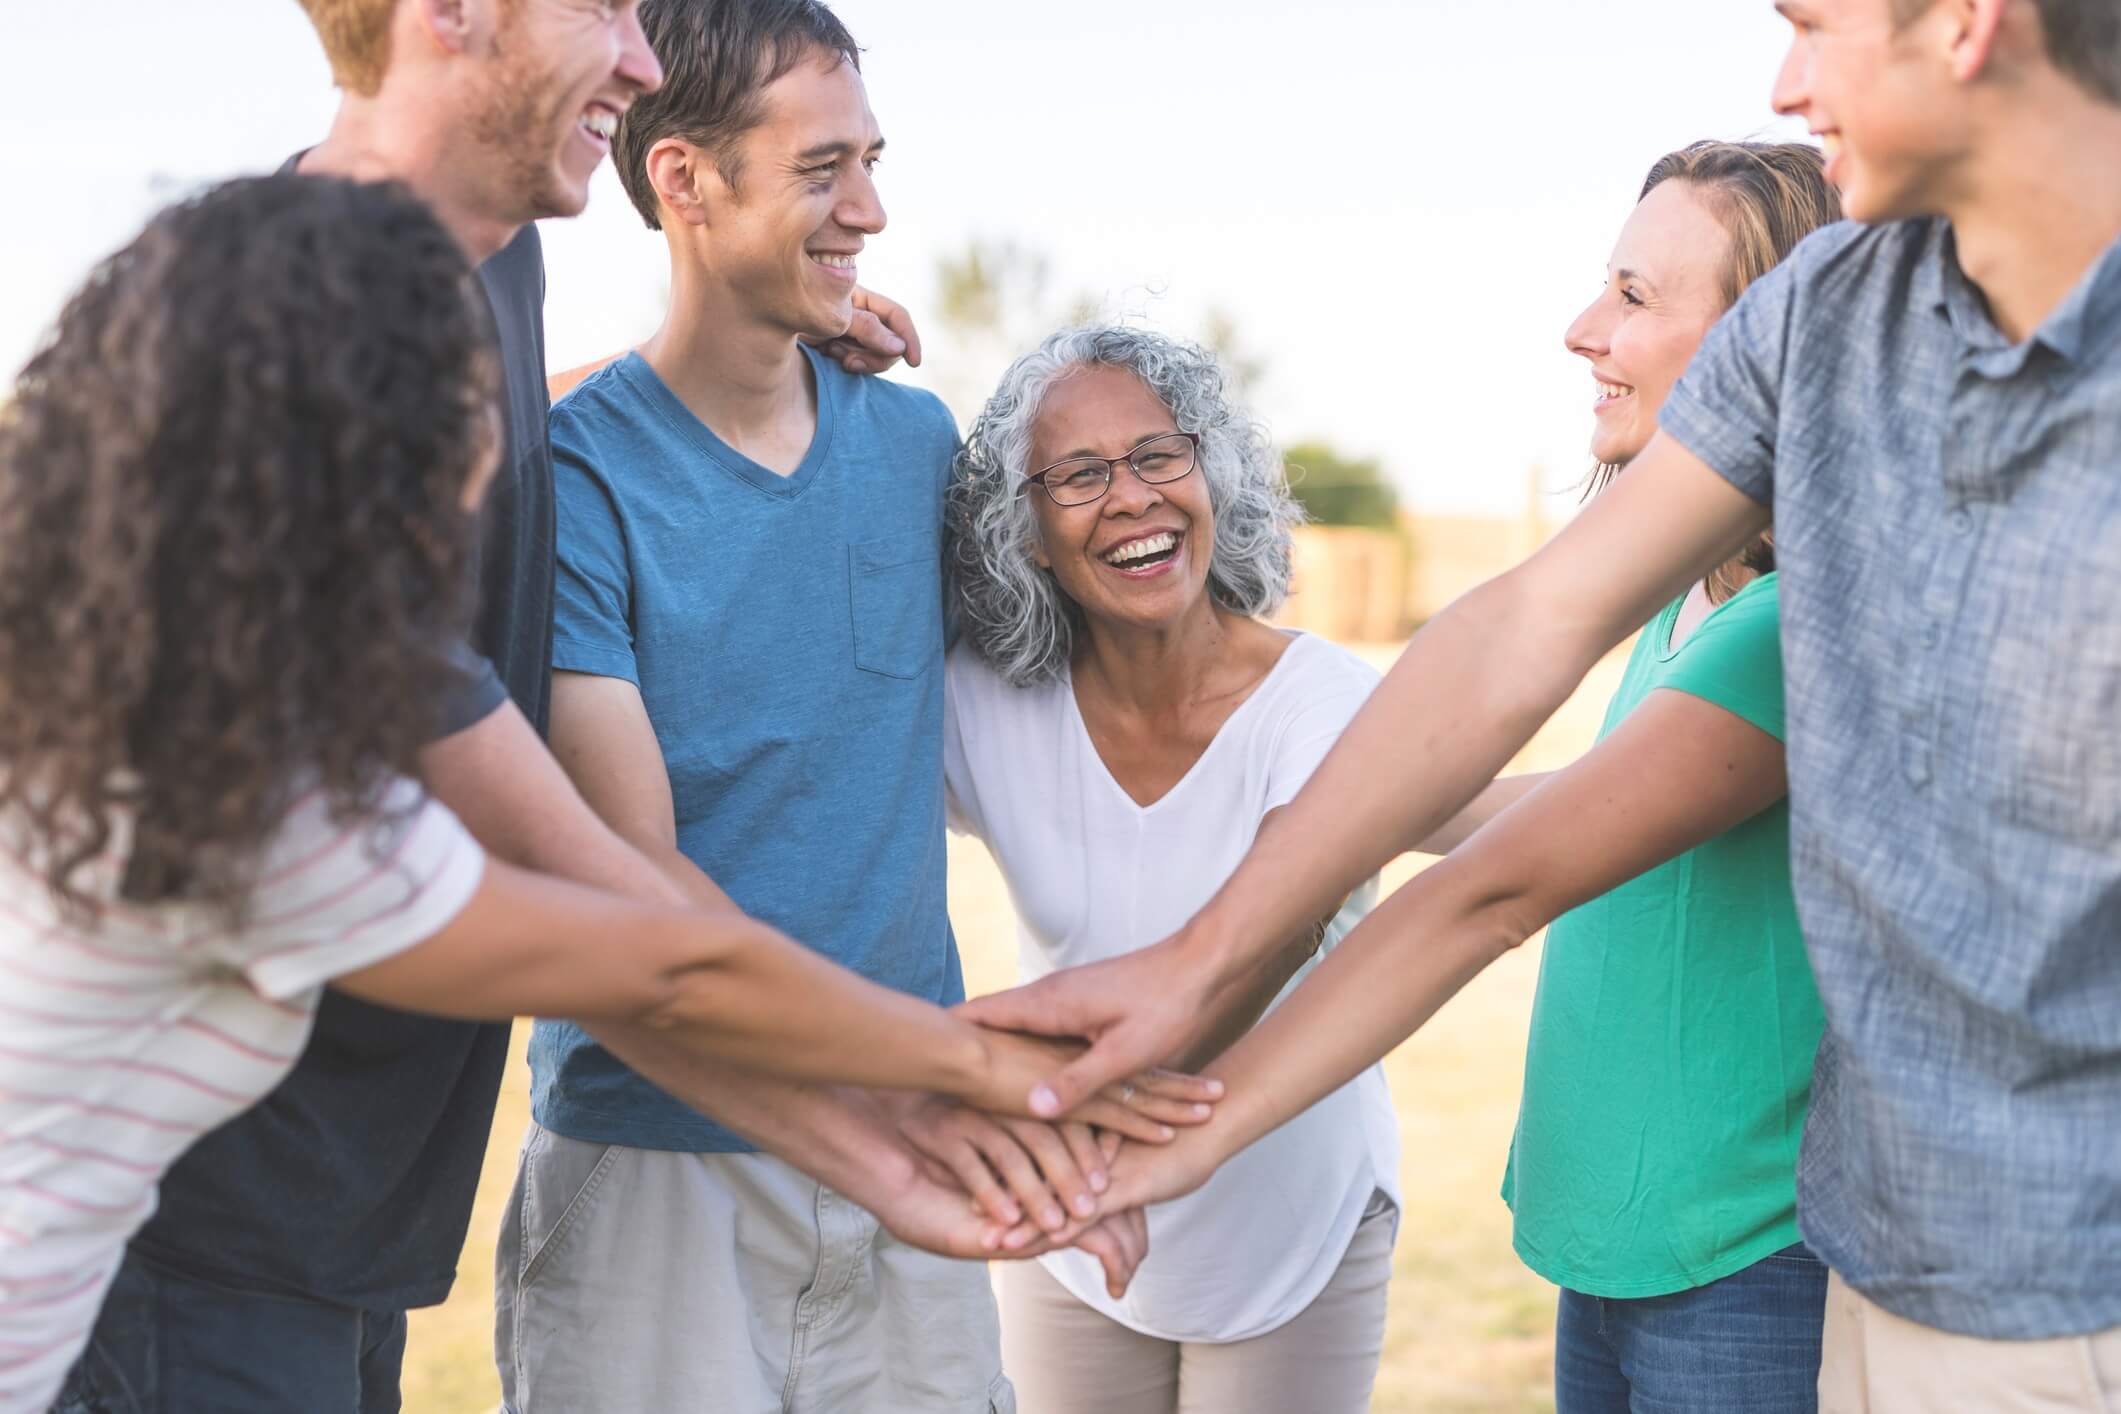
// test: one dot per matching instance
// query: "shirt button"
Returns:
(1962, 521)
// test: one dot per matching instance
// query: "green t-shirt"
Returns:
(1670, 1059)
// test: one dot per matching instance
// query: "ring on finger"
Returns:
(1126, 1093)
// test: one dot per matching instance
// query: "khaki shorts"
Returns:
(1874, 1362)
(634, 1281)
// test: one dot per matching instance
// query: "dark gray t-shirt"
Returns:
(353, 1181)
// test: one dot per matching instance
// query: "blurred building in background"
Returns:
(1371, 583)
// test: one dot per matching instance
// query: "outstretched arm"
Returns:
(1471, 689)
(1677, 772)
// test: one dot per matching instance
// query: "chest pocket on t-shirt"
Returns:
(897, 582)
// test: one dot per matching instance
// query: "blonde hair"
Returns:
(356, 39)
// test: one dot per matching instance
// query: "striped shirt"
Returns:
(124, 1039)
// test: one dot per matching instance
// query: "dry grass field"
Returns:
(1470, 1328)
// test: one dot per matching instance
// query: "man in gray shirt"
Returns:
(1930, 405)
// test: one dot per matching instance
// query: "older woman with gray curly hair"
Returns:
(1118, 723)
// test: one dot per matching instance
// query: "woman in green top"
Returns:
(1653, 1173)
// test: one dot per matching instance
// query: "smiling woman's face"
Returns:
(1139, 554)
(1663, 290)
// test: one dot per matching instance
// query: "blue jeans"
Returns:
(1747, 1342)
(171, 1344)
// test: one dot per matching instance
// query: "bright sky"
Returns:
(1399, 203)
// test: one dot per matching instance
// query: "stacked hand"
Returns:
(1137, 1011)
(1034, 1186)
(981, 1178)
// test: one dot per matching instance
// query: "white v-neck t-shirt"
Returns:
(1094, 875)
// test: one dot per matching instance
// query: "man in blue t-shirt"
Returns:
(747, 646)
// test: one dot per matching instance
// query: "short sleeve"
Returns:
(1725, 408)
(1734, 659)
(475, 689)
(1317, 710)
(960, 798)
(592, 589)
(333, 898)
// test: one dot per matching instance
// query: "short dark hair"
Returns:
(718, 57)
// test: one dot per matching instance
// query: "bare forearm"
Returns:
(1499, 796)
(775, 1006)
(1471, 688)
(1250, 1003)
(1411, 759)
(832, 1134)
(1677, 772)
(498, 778)
(1413, 953)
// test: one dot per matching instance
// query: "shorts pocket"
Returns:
(897, 584)
(1001, 1396)
(560, 1183)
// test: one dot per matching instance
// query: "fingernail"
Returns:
(1016, 1239)
(1012, 1214)
(1099, 1181)
(894, 343)
(1085, 1204)
(1215, 1087)
(1054, 1218)
(1201, 1111)
(1044, 1102)
(1166, 1131)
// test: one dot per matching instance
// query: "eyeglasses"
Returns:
(1081, 480)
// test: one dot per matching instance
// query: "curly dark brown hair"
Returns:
(233, 550)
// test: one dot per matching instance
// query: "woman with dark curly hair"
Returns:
(236, 496)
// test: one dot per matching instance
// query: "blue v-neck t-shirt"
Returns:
(786, 634)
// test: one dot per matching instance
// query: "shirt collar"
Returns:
(2094, 304)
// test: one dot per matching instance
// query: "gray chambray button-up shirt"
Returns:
(1948, 525)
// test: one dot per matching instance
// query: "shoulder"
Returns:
(521, 260)
(514, 275)
(1850, 262)
(897, 406)
(1753, 613)
(1317, 686)
(1740, 639)
(596, 410)
(975, 687)
(1315, 667)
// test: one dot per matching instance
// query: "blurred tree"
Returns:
(1339, 490)
(992, 301)
(988, 286)
(1245, 365)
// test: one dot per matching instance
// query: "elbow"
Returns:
(684, 980)
(1500, 920)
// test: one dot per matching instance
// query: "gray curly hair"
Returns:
(1012, 611)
